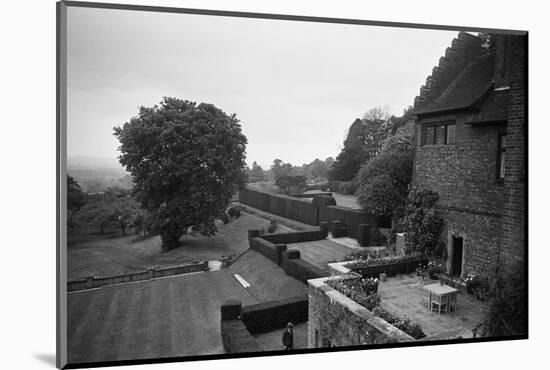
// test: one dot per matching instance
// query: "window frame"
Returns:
(435, 125)
(500, 158)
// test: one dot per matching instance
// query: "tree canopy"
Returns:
(384, 180)
(363, 142)
(187, 161)
(256, 173)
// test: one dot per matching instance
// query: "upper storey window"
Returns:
(439, 133)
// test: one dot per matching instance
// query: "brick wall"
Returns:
(513, 221)
(335, 320)
(488, 214)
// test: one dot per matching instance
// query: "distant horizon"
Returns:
(296, 87)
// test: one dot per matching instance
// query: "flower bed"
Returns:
(364, 292)
(391, 265)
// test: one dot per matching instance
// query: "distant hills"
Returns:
(96, 174)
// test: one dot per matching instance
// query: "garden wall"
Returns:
(96, 282)
(281, 205)
(335, 320)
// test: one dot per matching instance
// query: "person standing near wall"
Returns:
(288, 337)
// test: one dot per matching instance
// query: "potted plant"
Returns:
(421, 274)
(472, 283)
(434, 269)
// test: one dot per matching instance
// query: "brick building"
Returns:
(470, 149)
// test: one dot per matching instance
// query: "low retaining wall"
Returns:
(391, 268)
(96, 282)
(269, 316)
(336, 320)
(281, 205)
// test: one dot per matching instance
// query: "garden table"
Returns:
(441, 294)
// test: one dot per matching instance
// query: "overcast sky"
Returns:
(295, 86)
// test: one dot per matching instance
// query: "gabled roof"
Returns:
(494, 108)
(468, 87)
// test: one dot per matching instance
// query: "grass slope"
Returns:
(103, 255)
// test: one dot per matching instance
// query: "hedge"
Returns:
(311, 195)
(352, 218)
(269, 316)
(236, 337)
(281, 205)
(295, 237)
(321, 202)
(299, 269)
(272, 251)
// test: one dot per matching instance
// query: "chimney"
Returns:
(501, 79)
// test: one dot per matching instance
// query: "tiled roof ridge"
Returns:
(464, 48)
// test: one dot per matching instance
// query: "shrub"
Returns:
(235, 211)
(507, 313)
(421, 223)
(347, 187)
(364, 292)
(225, 218)
(401, 323)
(353, 289)
(272, 226)
(291, 184)
(478, 286)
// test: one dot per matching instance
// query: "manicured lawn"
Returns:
(90, 254)
(173, 316)
(321, 252)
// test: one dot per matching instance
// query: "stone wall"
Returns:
(334, 320)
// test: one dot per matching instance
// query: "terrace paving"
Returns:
(321, 252)
(404, 295)
(172, 316)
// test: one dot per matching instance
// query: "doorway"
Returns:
(456, 262)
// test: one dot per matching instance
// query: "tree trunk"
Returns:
(123, 228)
(101, 229)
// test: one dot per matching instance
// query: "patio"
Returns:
(404, 295)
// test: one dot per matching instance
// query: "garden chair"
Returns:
(439, 303)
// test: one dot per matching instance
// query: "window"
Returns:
(501, 156)
(441, 134)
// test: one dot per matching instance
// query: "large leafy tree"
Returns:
(256, 173)
(76, 198)
(113, 209)
(187, 161)
(364, 141)
(384, 180)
